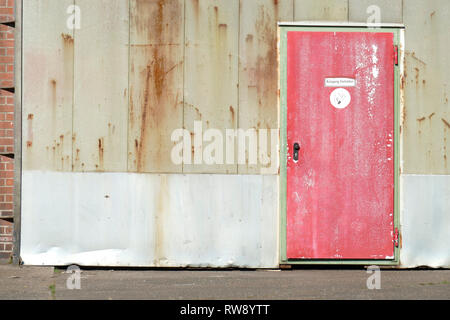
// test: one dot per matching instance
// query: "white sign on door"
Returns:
(340, 82)
(340, 98)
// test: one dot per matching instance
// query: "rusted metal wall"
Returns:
(108, 96)
(425, 135)
(211, 71)
(47, 86)
(258, 79)
(156, 82)
(322, 10)
(426, 115)
(100, 106)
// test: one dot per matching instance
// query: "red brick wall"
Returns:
(6, 229)
(6, 128)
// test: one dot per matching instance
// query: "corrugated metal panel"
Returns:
(165, 221)
(334, 10)
(362, 10)
(425, 221)
(211, 71)
(101, 86)
(156, 83)
(47, 86)
(426, 116)
(258, 69)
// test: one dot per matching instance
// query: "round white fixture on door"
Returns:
(340, 98)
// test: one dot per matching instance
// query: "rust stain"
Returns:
(68, 39)
(432, 14)
(413, 55)
(417, 75)
(149, 111)
(30, 118)
(445, 122)
(53, 89)
(232, 113)
(421, 119)
(264, 68)
(143, 136)
(431, 115)
(101, 146)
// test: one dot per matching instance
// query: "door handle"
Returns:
(296, 150)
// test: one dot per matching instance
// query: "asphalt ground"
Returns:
(49, 283)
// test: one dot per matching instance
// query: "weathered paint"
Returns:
(258, 73)
(321, 10)
(367, 10)
(165, 221)
(426, 116)
(340, 192)
(211, 71)
(425, 221)
(47, 86)
(426, 42)
(100, 112)
(156, 83)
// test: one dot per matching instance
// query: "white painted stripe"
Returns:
(123, 219)
(425, 220)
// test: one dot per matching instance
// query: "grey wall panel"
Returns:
(100, 113)
(366, 10)
(322, 10)
(48, 62)
(125, 219)
(426, 115)
(425, 220)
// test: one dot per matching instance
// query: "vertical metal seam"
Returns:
(238, 74)
(128, 90)
(183, 82)
(184, 75)
(72, 169)
(348, 10)
(293, 10)
(402, 13)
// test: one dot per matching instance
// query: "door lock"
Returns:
(296, 150)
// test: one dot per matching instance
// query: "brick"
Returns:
(6, 190)
(6, 125)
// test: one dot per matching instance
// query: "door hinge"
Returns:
(396, 55)
(396, 237)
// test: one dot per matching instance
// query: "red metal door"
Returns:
(340, 111)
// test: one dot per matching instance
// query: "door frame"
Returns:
(283, 28)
